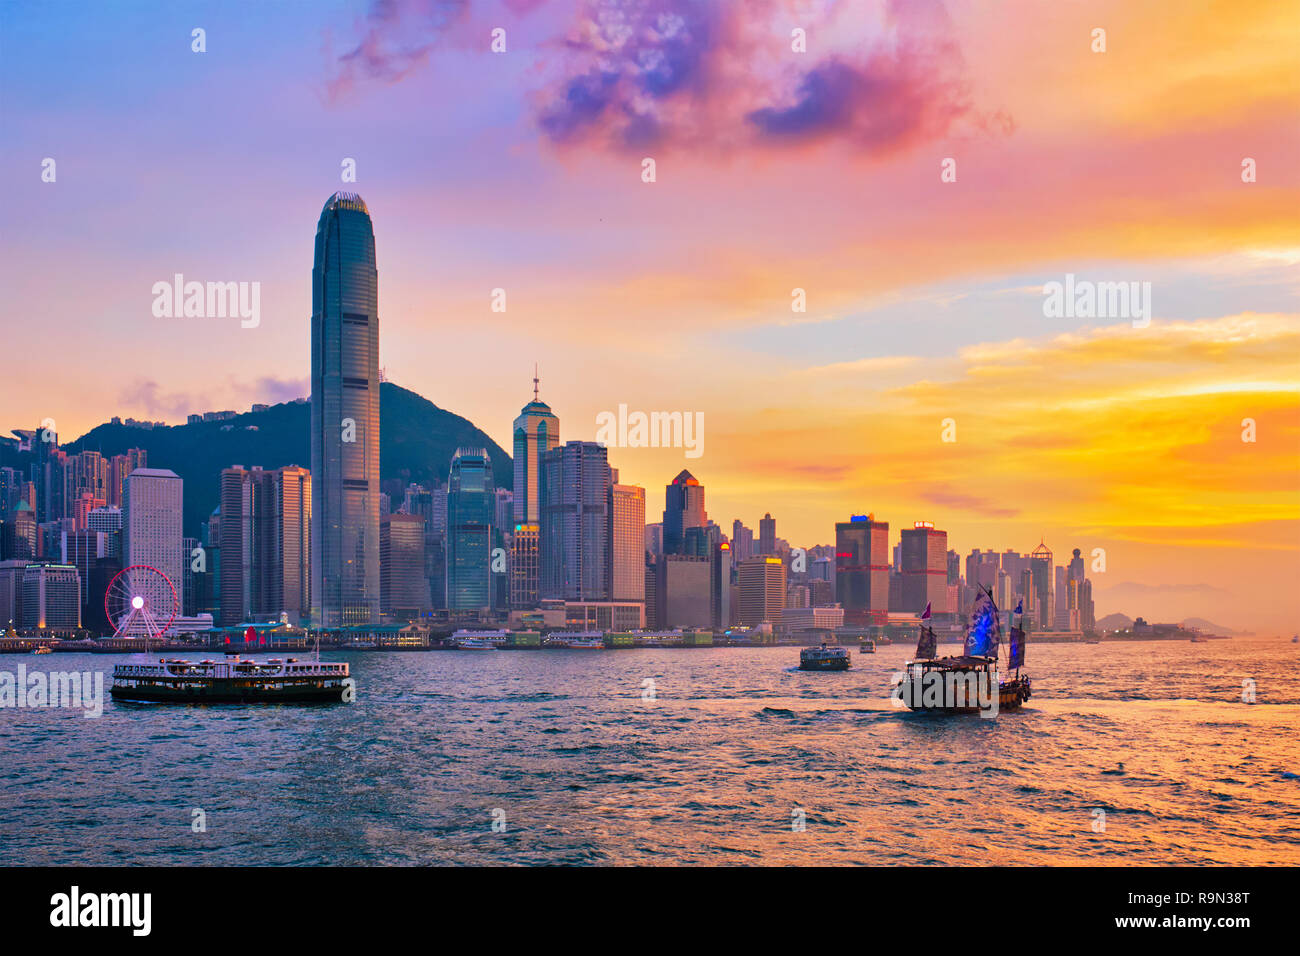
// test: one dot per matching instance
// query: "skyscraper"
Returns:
(345, 416)
(925, 569)
(471, 506)
(18, 540)
(574, 544)
(626, 542)
(151, 533)
(525, 569)
(706, 541)
(761, 590)
(293, 496)
(683, 508)
(247, 545)
(264, 540)
(767, 535)
(862, 569)
(1041, 577)
(403, 586)
(537, 431)
(683, 589)
(742, 541)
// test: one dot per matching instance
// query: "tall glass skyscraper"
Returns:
(683, 508)
(471, 506)
(345, 417)
(574, 546)
(537, 431)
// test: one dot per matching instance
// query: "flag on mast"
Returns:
(927, 646)
(1016, 652)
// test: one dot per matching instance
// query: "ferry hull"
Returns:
(1011, 696)
(232, 691)
(841, 664)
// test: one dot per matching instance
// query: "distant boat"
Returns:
(824, 658)
(867, 647)
(475, 644)
(577, 640)
(251, 644)
(1295, 638)
(43, 649)
(584, 644)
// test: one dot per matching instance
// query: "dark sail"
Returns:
(984, 632)
(928, 646)
(1016, 653)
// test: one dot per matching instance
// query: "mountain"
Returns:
(1114, 622)
(1122, 622)
(417, 441)
(1208, 627)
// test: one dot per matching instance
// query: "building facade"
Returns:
(760, 585)
(345, 417)
(471, 507)
(862, 569)
(626, 542)
(683, 508)
(152, 512)
(403, 586)
(574, 545)
(924, 560)
(536, 432)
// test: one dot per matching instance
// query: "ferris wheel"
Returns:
(141, 602)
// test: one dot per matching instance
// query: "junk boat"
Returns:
(954, 688)
(252, 642)
(824, 658)
(231, 682)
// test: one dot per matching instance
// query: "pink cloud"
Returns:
(704, 73)
(396, 37)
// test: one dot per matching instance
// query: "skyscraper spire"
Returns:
(535, 381)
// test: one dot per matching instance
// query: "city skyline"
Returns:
(1087, 433)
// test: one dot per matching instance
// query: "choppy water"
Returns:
(711, 771)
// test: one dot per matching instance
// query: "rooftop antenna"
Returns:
(535, 382)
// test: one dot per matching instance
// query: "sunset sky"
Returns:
(775, 170)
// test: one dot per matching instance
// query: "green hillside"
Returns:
(417, 441)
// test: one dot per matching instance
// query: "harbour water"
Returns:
(1133, 753)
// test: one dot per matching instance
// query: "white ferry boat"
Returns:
(467, 640)
(824, 658)
(230, 682)
(577, 640)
